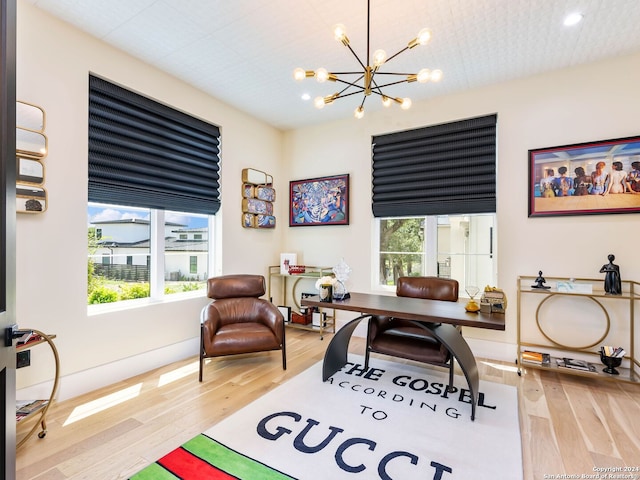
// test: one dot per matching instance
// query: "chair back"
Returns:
(236, 286)
(431, 288)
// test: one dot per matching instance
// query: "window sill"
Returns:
(142, 302)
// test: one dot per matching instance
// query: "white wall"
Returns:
(592, 102)
(53, 65)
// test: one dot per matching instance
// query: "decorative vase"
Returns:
(326, 292)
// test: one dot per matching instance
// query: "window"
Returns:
(153, 182)
(434, 202)
(128, 246)
(448, 246)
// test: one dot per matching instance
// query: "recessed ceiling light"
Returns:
(573, 19)
(305, 96)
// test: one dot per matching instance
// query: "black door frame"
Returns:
(7, 236)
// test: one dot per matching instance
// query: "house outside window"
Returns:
(127, 254)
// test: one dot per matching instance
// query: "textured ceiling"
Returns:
(244, 51)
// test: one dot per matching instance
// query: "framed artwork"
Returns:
(319, 201)
(586, 178)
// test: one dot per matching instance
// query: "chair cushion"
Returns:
(230, 286)
(412, 343)
(237, 338)
(432, 288)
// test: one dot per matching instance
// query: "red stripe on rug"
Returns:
(189, 467)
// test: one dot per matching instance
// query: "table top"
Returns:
(422, 310)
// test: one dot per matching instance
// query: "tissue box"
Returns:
(301, 319)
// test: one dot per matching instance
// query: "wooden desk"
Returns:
(439, 317)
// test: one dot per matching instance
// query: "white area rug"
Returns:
(393, 422)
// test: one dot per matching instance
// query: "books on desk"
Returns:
(573, 364)
(536, 358)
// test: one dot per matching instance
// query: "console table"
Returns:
(439, 317)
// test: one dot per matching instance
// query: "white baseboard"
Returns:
(506, 352)
(88, 380)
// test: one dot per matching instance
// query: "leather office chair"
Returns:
(403, 338)
(238, 321)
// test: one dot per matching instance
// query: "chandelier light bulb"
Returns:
(386, 101)
(322, 75)
(318, 102)
(379, 57)
(359, 112)
(339, 32)
(424, 36)
(406, 104)
(299, 74)
(424, 75)
(572, 19)
(436, 75)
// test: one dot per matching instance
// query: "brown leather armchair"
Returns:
(404, 338)
(238, 321)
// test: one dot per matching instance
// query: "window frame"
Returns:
(430, 249)
(156, 265)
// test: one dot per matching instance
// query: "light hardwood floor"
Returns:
(569, 425)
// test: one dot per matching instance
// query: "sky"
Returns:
(98, 212)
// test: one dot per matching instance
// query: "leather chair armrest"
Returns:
(271, 317)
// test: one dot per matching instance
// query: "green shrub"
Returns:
(103, 294)
(190, 287)
(135, 290)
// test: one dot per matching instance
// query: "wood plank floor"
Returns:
(569, 425)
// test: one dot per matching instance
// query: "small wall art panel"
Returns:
(319, 201)
(258, 196)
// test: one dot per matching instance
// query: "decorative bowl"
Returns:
(295, 269)
(611, 363)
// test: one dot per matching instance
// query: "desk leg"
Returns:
(451, 338)
(336, 355)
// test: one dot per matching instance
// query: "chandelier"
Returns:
(370, 78)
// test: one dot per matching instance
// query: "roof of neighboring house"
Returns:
(141, 221)
(172, 244)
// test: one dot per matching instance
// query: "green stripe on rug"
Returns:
(154, 472)
(230, 461)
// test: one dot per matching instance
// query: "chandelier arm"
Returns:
(359, 72)
(351, 84)
(391, 83)
(396, 54)
(349, 94)
(356, 55)
(395, 73)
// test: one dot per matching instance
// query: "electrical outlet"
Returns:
(23, 358)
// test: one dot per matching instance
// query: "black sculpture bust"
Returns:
(612, 280)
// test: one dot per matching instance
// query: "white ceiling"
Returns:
(244, 51)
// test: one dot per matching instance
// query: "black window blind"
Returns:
(437, 170)
(145, 154)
